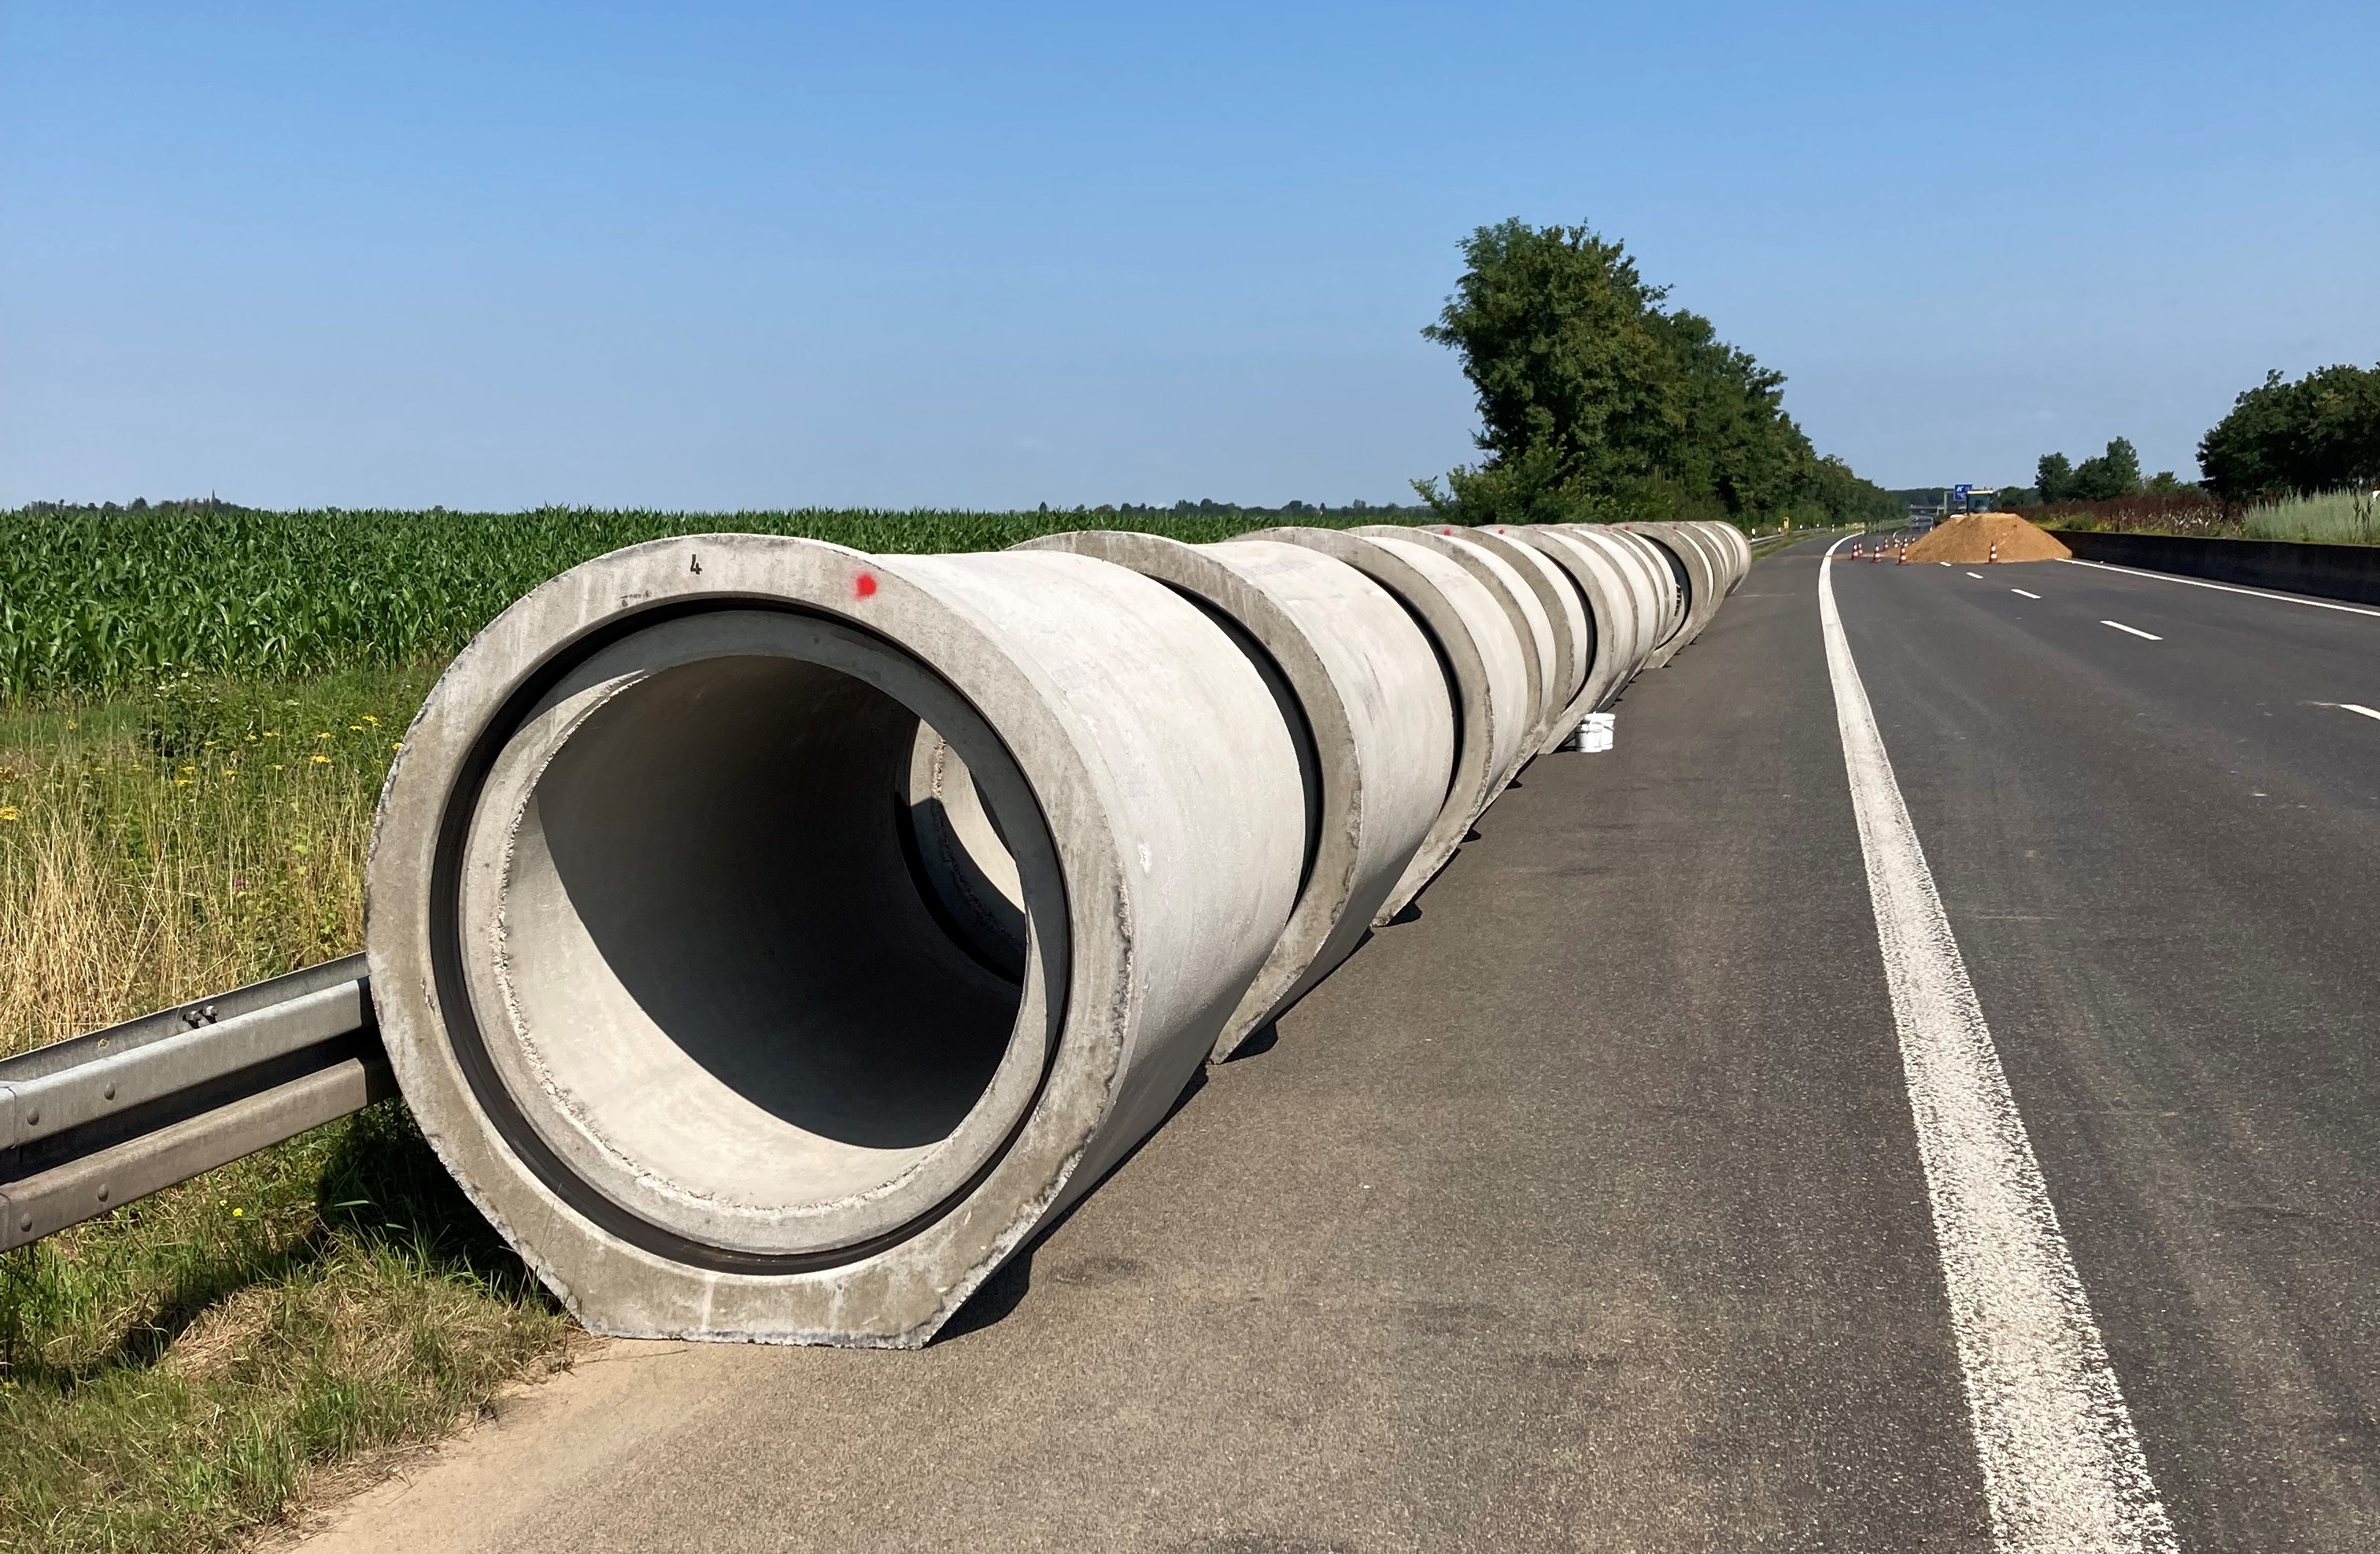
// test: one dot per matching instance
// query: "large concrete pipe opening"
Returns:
(763, 950)
(770, 937)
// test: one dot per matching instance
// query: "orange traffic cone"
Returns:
(1995, 554)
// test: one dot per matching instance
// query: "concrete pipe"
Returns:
(1362, 689)
(1698, 565)
(1653, 566)
(1520, 604)
(1649, 584)
(1565, 612)
(770, 937)
(1611, 610)
(1482, 661)
(1711, 536)
(1741, 545)
(1670, 565)
(1736, 548)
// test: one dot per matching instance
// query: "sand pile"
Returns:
(1971, 539)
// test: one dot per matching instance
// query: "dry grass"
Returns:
(177, 1371)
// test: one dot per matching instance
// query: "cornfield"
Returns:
(91, 601)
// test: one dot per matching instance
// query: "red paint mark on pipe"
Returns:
(864, 585)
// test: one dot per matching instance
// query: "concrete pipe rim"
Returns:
(1674, 582)
(824, 1130)
(1556, 595)
(1669, 553)
(624, 1275)
(1602, 595)
(1635, 581)
(1481, 725)
(1569, 613)
(1320, 728)
(1519, 604)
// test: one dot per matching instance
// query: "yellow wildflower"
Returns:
(320, 760)
(8, 812)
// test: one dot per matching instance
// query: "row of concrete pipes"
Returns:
(770, 937)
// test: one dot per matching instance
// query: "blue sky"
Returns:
(711, 257)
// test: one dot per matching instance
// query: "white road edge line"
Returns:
(2359, 707)
(2145, 636)
(2062, 1464)
(2026, 595)
(2219, 588)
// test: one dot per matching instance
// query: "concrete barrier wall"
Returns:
(2348, 572)
(772, 938)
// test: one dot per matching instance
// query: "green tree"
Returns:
(2053, 477)
(1596, 403)
(2114, 473)
(2318, 434)
(1577, 384)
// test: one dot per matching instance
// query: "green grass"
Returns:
(2335, 517)
(175, 1371)
(92, 599)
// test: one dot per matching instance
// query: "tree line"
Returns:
(1598, 403)
(2317, 434)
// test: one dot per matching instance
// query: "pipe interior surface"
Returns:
(761, 951)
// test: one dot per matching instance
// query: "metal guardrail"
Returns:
(92, 1122)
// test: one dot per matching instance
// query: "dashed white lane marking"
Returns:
(2026, 595)
(2359, 707)
(1976, 576)
(2219, 588)
(2062, 1464)
(2145, 636)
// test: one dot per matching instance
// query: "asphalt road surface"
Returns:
(1586, 1211)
